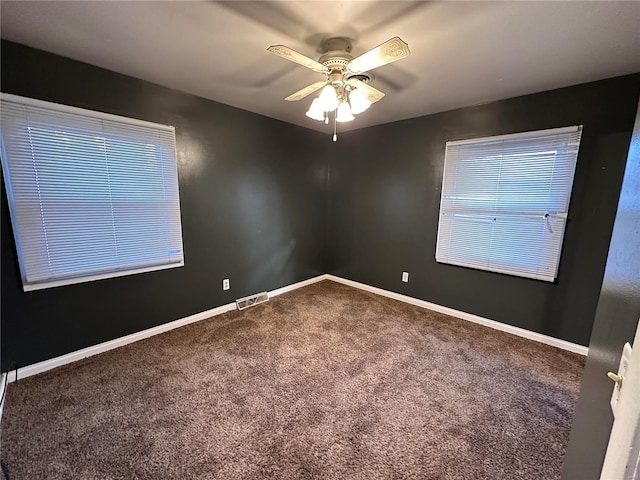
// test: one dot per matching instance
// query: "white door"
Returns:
(622, 461)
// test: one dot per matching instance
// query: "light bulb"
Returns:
(344, 113)
(328, 98)
(359, 102)
(315, 110)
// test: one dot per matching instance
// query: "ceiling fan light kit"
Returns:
(344, 113)
(329, 98)
(316, 112)
(359, 103)
(345, 91)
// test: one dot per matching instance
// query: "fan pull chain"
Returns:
(335, 126)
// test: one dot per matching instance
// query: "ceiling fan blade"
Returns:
(372, 94)
(286, 52)
(300, 94)
(390, 51)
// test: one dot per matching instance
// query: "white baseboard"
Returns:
(111, 344)
(3, 391)
(134, 337)
(521, 332)
(293, 286)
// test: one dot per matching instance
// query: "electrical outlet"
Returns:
(405, 277)
(225, 284)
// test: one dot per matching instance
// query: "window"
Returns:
(91, 195)
(504, 202)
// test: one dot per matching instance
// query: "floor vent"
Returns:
(252, 300)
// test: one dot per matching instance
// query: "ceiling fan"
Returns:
(345, 90)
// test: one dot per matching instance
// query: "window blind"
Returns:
(91, 195)
(504, 202)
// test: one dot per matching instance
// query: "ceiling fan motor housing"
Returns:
(336, 56)
(336, 77)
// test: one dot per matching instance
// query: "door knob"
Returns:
(615, 378)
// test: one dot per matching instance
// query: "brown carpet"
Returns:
(325, 382)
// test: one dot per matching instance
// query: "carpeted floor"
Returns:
(325, 382)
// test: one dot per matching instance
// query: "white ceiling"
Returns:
(463, 53)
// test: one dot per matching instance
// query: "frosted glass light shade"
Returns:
(328, 98)
(344, 113)
(359, 102)
(315, 110)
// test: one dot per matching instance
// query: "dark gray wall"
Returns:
(384, 197)
(253, 202)
(256, 208)
(615, 323)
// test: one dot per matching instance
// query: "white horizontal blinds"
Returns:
(505, 200)
(91, 194)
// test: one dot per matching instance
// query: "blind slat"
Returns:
(91, 195)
